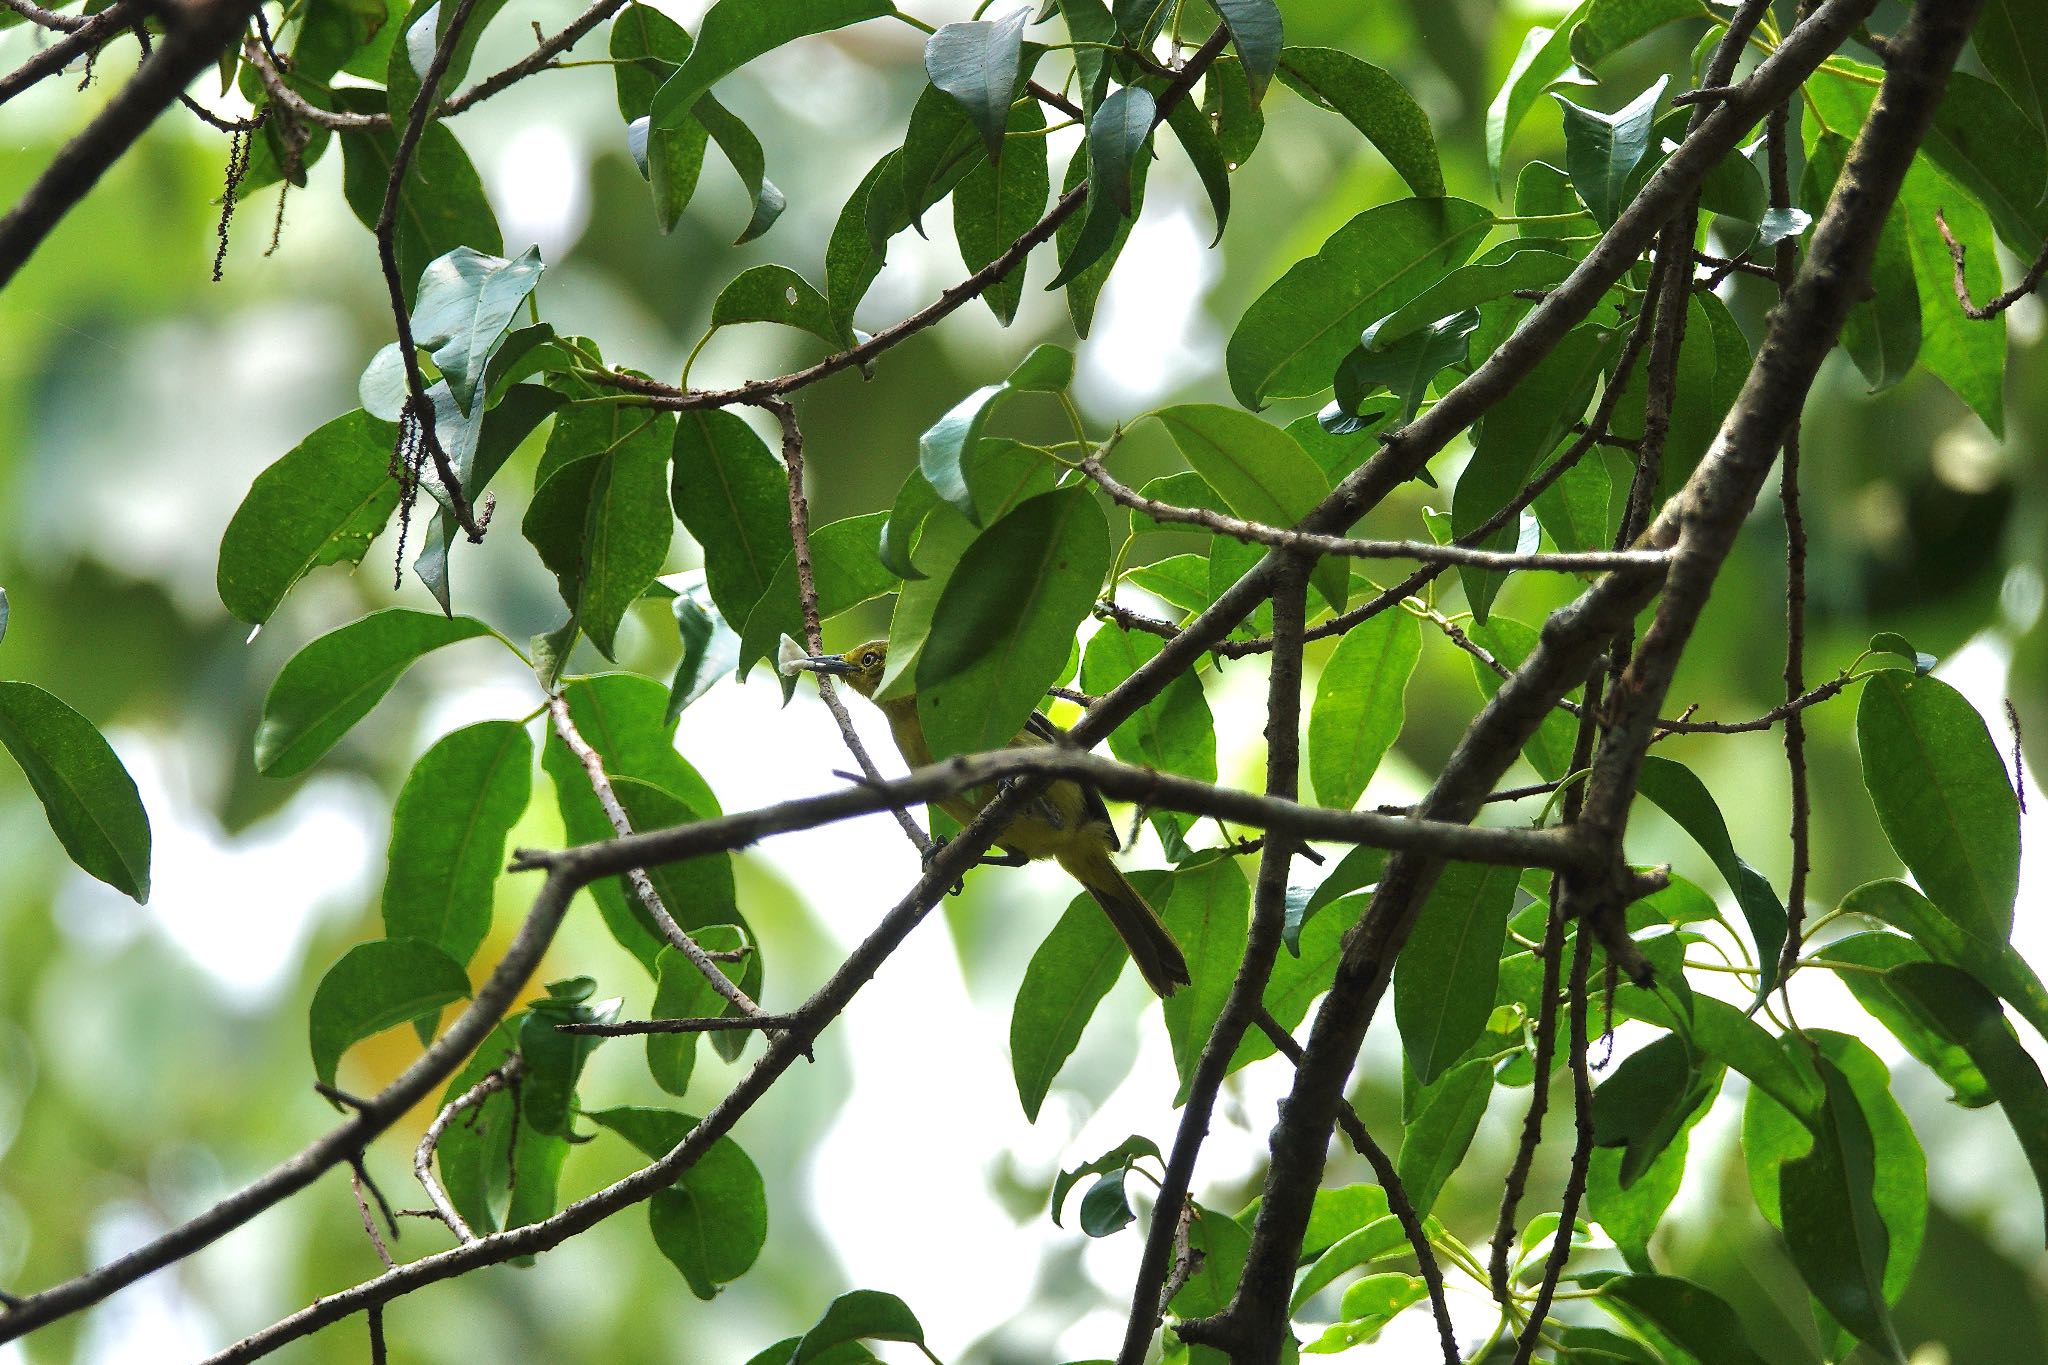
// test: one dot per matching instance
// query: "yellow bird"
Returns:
(1067, 822)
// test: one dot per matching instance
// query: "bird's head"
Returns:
(860, 667)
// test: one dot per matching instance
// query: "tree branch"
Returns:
(2029, 282)
(494, 1080)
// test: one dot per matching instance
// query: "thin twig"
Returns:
(494, 1080)
(47, 18)
(2029, 282)
(642, 884)
(723, 1023)
(81, 41)
(356, 1184)
(1582, 1153)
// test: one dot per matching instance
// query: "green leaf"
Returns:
(466, 301)
(601, 520)
(1833, 1230)
(1648, 1100)
(712, 1223)
(417, 34)
(863, 1315)
(1116, 139)
(1966, 355)
(1716, 1029)
(491, 1161)
(1549, 750)
(1255, 31)
(1519, 263)
(1543, 61)
(1260, 471)
(1631, 1214)
(332, 683)
(774, 293)
(743, 150)
(554, 1060)
(1982, 141)
(1174, 731)
(1006, 621)
(976, 63)
(1374, 103)
(1291, 339)
(88, 797)
(646, 47)
(998, 200)
(2013, 45)
(946, 443)
(732, 494)
(1063, 983)
(323, 503)
(1436, 1141)
(1943, 797)
(1404, 367)
(848, 574)
(1090, 242)
(710, 650)
(1608, 26)
(1116, 1158)
(851, 261)
(1218, 1245)
(1356, 870)
(1228, 105)
(1602, 151)
(1105, 1209)
(1358, 708)
(1514, 441)
(734, 32)
(1882, 333)
(1198, 139)
(1679, 793)
(441, 205)
(1693, 1318)
(376, 986)
(1444, 985)
(1984, 955)
(1916, 1031)
(1207, 910)
(682, 992)
(448, 832)
(1713, 362)
(1968, 1015)
(522, 408)
(939, 148)
(1301, 974)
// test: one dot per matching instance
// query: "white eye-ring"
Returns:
(870, 659)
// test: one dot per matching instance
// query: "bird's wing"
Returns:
(1040, 730)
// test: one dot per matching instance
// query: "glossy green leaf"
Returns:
(332, 683)
(1063, 983)
(647, 47)
(466, 301)
(743, 150)
(1984, 955)
(1608, 26)
(1679, 793)
(734, 32)
(1198, 139)
(1515, 440)
(1692, 1318)
(1118, 134)
(1291, 339)
(1631, 1213)
(863, 1315)
(997, 201)
(848, 573)
(1718, 1030)
(1882, 332)
(1228, 105)
(945, 445)
(1645, 1102)
(1444, 984)
(1105, 1208)
(376, 986)
(1006, 621)
(600, 515)
(976, 63)
(2013, 45)
(711, 649)
(1116, 1158)
(1179, 580)
(1833, 1229)
(1966, 355)
(1260, 471)
(1916, 1031)
(1519, 263)
(940, 146)
(732, 495)
(1374, 1239)
(1374, 103)
(323, 503)
(1602, 150)
(682, 992)
(1543, 61)
(448, 832)
(1943, 797)
(1549, 750)
(1405, 367)
(1090, 242)
(1358, 709)
(554, 1059)
(851, 260)
(87, 795)
(774, 293)
(712, 1223)
(1442, 1130)
(1208, 912)
(1255, 32)
(1968, 1015)
(1174, 731)
(441, 205)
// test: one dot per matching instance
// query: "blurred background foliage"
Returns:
(151, 1058)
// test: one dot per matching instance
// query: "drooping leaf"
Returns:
(1289, 342)
(1915, 1031)
(976, 63)
(1374, 103)
(1358, 707)
(1833, 1229)
(863, 1315)
(1943, 797)
(448, 832)
(851, 260)
(1549, 749)
(1006, 621)
(1679, 793)
(743, 150)
(712, 1223)
(1118, 1157)
(1519, 263)
(1255, 32)
(1207, 910)
(1882, 332)
(1444, 984)
(600, 516)
(774, 293)
(1090, 242)
(711, 649)
(998, 200)
(2013, 45)
(466, 300)
(734, 32)
(322, 503)
(1063, 983)
(1631, 1214)
(1648, 1100)
(376, 986)
(87, 795)
(1608, 26)
(1442, 1130)
(1543, 61)
(554, 1059)
(332, 683)
(946, 444)
(1198, 140)
(1693, 1318)
(1602, 151)
(732, 494)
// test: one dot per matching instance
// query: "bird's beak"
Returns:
(829, 664)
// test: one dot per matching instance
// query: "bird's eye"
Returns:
(870, 659)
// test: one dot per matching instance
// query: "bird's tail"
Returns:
(1152, 947)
